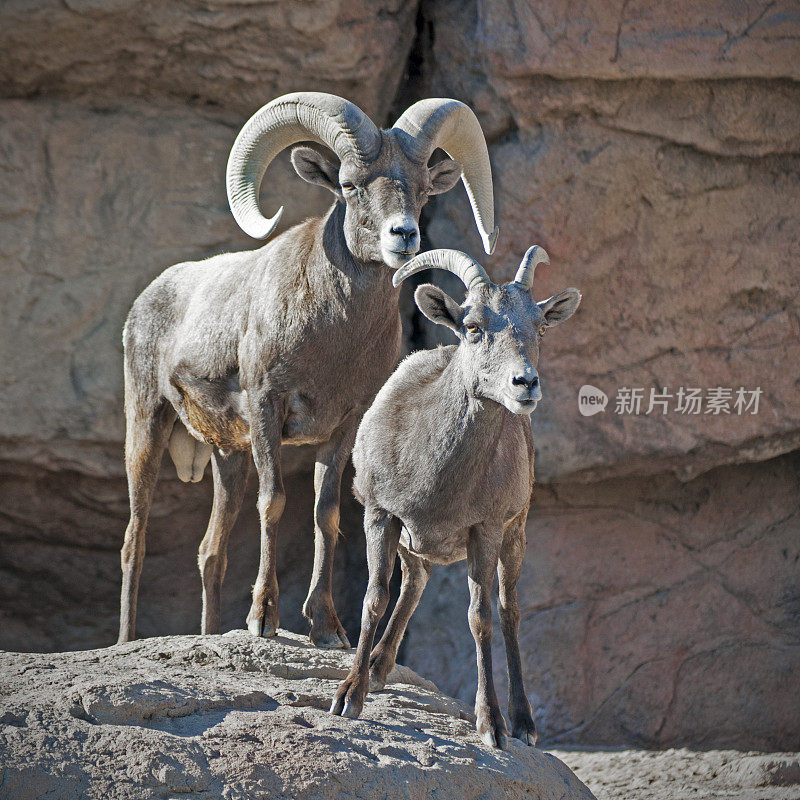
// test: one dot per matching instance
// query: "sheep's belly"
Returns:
(438, 548)
(307, 422)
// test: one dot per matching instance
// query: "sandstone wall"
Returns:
(654, 150)
(664, 187)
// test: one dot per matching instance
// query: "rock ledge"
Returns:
(236, 717)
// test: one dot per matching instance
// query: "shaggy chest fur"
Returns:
(317, 378)
(351, 360)
(318, 341)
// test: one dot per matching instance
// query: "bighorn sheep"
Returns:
(444, 467)
(288, 343)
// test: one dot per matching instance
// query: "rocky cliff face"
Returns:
(652, 150)
(649, 154)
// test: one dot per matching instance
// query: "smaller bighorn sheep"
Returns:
(444, 467)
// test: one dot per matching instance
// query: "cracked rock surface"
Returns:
(232, 716)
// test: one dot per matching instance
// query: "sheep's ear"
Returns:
(560, 307)
(444, 175)
(313, 167)
(438, 306)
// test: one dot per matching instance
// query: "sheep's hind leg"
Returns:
(416, 572)
(509, 569)
(326, 630)
(265, 431)
(383, 534)
(230, 471)
(148, 429)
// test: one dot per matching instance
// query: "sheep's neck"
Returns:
(466, 429)
(335, 248)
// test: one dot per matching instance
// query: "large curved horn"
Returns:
(471, 273)
(533, 256)
(298, 117)
(451, 125)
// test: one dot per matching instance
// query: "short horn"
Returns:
(298, 117)
(534, 255)
(471, 273)
(451, 125)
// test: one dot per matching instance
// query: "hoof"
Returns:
(348, 700)
(494, 739)
(524, 728)
(526, 735)
(330, 641)
(258, 627)
(491, 727)
(376, 684)
(345, 707)
(351, 710)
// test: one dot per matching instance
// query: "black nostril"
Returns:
(521, 380)
(406, 233)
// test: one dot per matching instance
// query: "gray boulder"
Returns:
(237, 717)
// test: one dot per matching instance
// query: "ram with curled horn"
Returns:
(289, 343)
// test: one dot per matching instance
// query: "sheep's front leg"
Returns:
(326, 630)
(416, 572)
(265, 434)
(383, 534)
(508, 571)
(483, 547)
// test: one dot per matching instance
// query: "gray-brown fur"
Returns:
(285, 344)
(444, 467)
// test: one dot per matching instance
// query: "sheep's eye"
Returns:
(474, 330)
(542, 329)
(348, 186)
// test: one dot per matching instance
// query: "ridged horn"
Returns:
(471, 273)
(451, 125)
(298, 117)
(533, 256)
